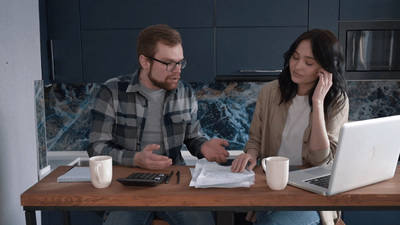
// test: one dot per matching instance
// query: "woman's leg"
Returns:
(288, 218)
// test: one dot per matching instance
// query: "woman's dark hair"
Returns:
(327, 52)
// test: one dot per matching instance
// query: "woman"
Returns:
(299, 116)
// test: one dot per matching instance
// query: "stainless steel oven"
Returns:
(371, 48)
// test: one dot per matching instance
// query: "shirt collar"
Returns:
(134, 83)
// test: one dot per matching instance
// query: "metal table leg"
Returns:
(67, 217)
(225, 218)
(30, 217)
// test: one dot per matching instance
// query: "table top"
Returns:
(47, 193)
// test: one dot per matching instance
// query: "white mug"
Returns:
(101, 171)
(277, 171)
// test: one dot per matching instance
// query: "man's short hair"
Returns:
(150, 36)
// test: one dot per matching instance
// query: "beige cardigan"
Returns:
(265, 133)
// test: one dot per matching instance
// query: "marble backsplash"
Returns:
(225, 110)
(40, 124)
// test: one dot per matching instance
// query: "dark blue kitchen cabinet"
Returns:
(110, 28)
(199, 49)
(128, 14)
(76, 217)
(371, 217)
(256, 13)
(324, 14)
(240, 50)
(109, 53)
(91, 41)
(62, 41)
(253, 35)
(369, 10)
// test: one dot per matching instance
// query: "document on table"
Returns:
(76, 174)
(209, 174)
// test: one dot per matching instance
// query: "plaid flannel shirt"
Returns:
(119, 117)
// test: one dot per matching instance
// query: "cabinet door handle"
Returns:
(260, 71)
(53, 69)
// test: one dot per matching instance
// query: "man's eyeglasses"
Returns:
(172, 65)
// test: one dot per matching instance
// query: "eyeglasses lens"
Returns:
(172, 66)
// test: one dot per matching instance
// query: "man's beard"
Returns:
(161, 84)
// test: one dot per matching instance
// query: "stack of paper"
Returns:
(209, 174)
(76, 174)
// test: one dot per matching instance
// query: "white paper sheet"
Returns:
(209, 174)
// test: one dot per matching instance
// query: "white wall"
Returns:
(19, 67)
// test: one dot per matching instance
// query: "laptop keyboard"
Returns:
(320, 181)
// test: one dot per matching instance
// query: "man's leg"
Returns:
(187, 217)
(128, 218)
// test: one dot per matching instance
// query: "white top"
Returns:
(296, 123)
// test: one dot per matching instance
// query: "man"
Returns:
(142, 120)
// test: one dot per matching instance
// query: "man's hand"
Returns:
(147, 160)
(214, 150)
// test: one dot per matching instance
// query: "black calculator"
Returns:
(143, 179)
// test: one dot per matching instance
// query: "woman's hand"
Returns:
(323, 86)
(240, 163)
(319, 139)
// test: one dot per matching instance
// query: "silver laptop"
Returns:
(367, 153)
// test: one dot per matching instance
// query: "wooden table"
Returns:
(47, 194)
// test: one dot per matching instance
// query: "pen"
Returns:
(178, 174)
(169, 177)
